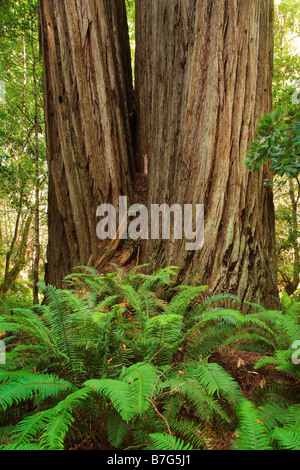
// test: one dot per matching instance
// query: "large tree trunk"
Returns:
(203, 80)
(88, 94)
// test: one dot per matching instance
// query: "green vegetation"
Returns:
(23, 171)
(132, 351)
(277, 143)
(130, 360)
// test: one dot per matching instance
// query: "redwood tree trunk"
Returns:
(203, 80)
(88, 94)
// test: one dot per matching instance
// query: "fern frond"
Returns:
(209, 339)
(190, 431)
(283, 361)
(273, 415)
(185, 296)
(286, 438)
(196, 396)
(118, 393)
(117, 429)
(28, 429)
(61, 323)
(142, 379)
(166, 442)
(133, 298)
(251, 433)
(21, 447)
(216, 299)
(163, 333)
(162, 278)
(217, 381)
(30, 385)
(282, 324)
(56, 430)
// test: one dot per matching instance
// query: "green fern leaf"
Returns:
(167, 442)
(117, 429)
(252, 433)
(118, 392)
(190, 431)
(56, 430)
(286, 438)
(142, 379)
(217, 381)
(26, 387)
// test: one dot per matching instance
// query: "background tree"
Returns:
(22, 166)
(286, 50)
(277, 143)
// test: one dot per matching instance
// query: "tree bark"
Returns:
(88, 96)
(203, 80)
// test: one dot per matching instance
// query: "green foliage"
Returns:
(22, 139)
(277, 139)
(277, 142)
(166, 442)
(132, 351)
(286, 56)
(130, 7)
(268, 427)
(31, 386)
(251, 433)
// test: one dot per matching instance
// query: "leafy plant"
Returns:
(131, 351)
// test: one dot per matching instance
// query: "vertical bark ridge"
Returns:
(210, 80)
(88, 95)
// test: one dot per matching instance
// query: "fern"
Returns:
(283, 361)
(43, 386)
(191, 432)
(117, 429)
(286, 438)
(56, 430)
(273, 415)
(160, 279)
(251, 433)
(283, 324)
(163, 333)
(195, 395)
(23, 447)
(132, 350)
(28, 429)
(118, 392)
(166, 442)
(217, 381)
(142, 379)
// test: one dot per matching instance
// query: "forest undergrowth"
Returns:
(129, 360)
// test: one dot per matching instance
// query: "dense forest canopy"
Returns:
(178, 103)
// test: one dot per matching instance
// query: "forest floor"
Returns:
(240, 365)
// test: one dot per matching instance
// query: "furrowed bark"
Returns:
(88, 95)
(204, 72)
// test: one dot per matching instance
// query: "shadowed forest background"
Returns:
(140, 344)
